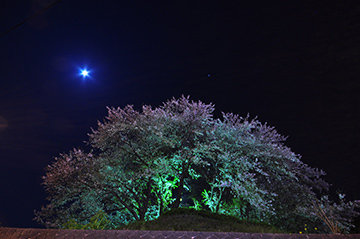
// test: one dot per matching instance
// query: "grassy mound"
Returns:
(187, 219)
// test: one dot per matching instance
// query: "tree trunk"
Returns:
(219, 200)
(145, 203)
(131, 210)
(161, 207)
(181, 186)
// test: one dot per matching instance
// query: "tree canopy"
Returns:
(143, 163)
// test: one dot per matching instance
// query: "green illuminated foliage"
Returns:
(97, 222)
(177, 155)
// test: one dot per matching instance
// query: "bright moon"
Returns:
(84, 73)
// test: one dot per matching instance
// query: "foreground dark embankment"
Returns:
(22, 233)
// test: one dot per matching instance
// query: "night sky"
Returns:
(294, 64)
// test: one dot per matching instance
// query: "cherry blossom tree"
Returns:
(145, 162)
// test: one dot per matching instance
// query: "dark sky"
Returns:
(294, 65)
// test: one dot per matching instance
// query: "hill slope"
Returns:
(186, 219)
